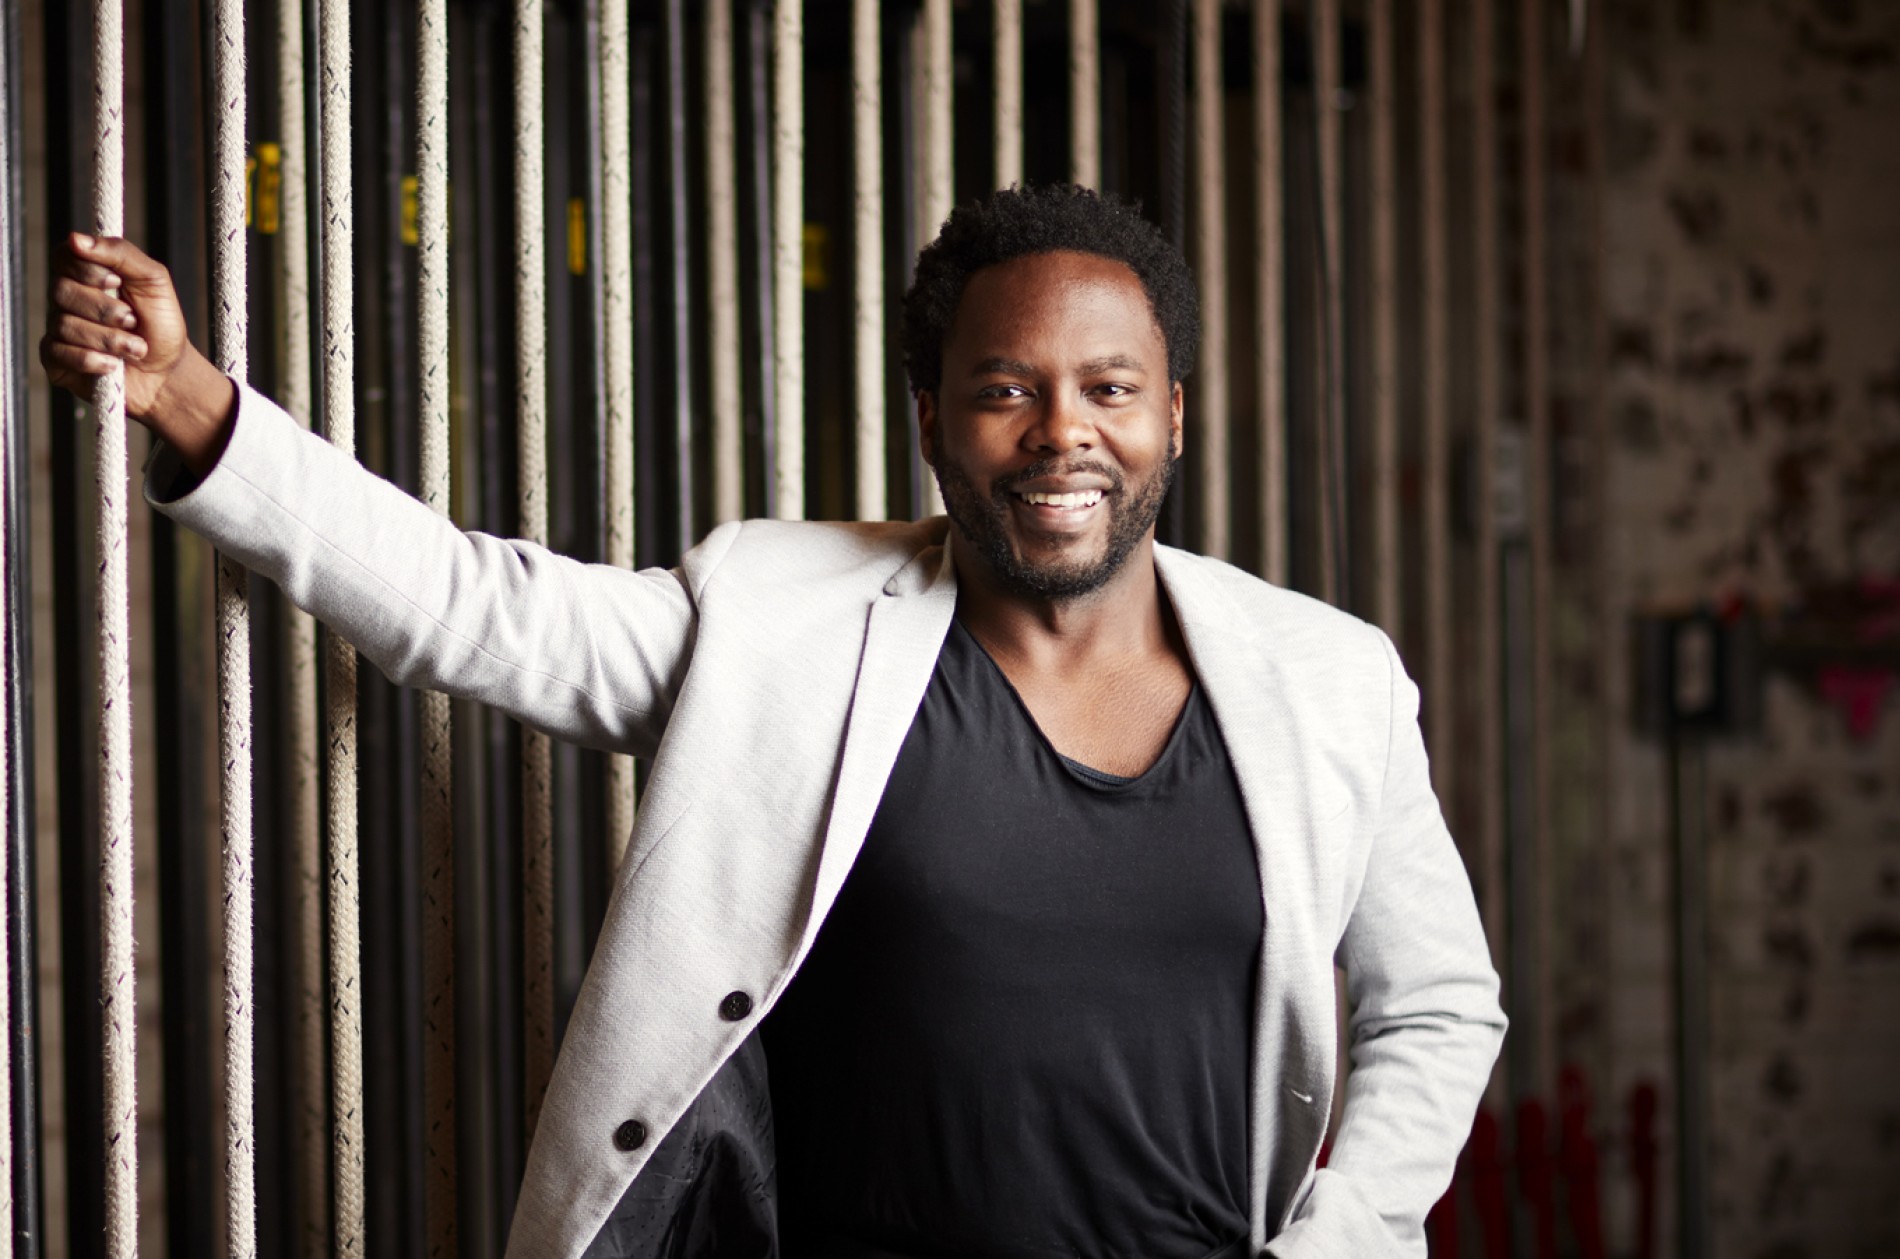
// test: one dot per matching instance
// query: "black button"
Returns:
(630, 1135)
(735, 1007)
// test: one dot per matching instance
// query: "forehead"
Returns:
(1056, 302)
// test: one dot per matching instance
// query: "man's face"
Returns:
(1055, 429)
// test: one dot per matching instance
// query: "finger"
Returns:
(68, 365)
(118, 254)
(71, 266)
(73, 298)
(87, 335)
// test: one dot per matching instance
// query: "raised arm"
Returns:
(589, 653)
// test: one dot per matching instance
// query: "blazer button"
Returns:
(630, 1136)
(735, 1006)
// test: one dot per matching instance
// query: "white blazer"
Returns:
(772, 678)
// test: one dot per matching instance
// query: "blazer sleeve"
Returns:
(588, 653)
(1425, 1025)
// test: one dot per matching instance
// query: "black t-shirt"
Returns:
(1024, 1029)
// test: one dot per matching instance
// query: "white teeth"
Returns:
(1085, 498)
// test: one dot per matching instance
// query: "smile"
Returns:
(1080, 498)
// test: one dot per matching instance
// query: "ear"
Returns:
(1175, 411)
(927, 425)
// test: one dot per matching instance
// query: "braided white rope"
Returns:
(1488, 415)
(1382, 193)
(722, 265)
(300, 650)
(1269, 292)
(1209, 401)
(1085, 96)
(537, 762)
(438, 832)
(1008, 50)
(867, 306)
(1324, 18)
(118, 998)
(788, 280)
(230, 342)
(616, 224)
(939, 113)
(339, 397)
(6, 818)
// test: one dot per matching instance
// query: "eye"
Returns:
(1114, 391)
(1002, 392)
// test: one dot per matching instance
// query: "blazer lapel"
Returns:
(903, 636)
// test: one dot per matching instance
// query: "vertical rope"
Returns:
(1384, 284)
(438, 813)
(722, 265)
(1008, 19)
(939, 154)
(1269, 282)
(616, 182)
(1210, 205)
(680, 229)
(867, 272)
(230, 346)
(537, 762)
(304, 793)
(6, 817)
(1085, 96)
(1488, 788)
(1435, 370)
(1538, 441)
(339, 416)
(788, 284)
(118, 997)
(1332, 413)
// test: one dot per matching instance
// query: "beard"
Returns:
(983, 521)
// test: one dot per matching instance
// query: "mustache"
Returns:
(1007, 483)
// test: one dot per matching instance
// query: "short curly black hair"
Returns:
(1016, 222)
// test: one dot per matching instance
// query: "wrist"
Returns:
(194, 410)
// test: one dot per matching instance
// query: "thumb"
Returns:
(139, 271)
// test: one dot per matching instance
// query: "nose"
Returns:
(1062, 425)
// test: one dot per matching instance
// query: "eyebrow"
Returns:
(1000, 366)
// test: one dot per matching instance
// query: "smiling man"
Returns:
(986, 895)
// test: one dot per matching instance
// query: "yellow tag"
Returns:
(409, 236)
(577, 236)
(816, 239)
(268, 199)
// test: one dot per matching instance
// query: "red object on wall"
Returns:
(1536, 1176)
(1643, 1106)
(1577, 1162)
(1487, 1186)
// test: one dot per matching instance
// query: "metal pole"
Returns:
(1487, 339)
(616, 181)
(679, 230)
(1334, 539)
